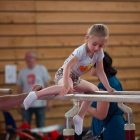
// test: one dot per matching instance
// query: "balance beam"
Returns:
(5, 91)
(115, 92)
(135, 98)
(8, 101)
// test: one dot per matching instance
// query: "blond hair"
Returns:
(98, 30)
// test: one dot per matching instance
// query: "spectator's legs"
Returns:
(27, 114)
(40, 116)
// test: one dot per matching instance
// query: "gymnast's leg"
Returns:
(84, 86)
(52, 90)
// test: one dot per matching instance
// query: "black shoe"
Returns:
(88, 136)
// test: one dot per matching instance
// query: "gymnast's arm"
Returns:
(102, 76)
(67, 87)
(101, 111)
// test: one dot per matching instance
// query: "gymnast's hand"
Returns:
(110, 89)
(66, 89)
(36, 87)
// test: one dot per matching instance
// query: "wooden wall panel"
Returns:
(65, 29)
(53, 29)
(126, 40)
(11, 30)
(87, 17)
(9, 17)
(69, 6)
(85, 6)
(18, 42)
(17, 5)
(49, 114)
(73, 29)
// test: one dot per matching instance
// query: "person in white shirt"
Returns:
(27, 77)
(79, 63)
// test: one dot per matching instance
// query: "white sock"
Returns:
(29, 99)
(78, 121)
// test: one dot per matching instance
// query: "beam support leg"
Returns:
(68, 132)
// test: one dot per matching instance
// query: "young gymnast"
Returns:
(67, 78)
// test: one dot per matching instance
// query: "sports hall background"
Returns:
(53, 29)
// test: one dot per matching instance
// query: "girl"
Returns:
(81, 61)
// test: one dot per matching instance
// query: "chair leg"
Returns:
(7, 136)
(17, 137)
